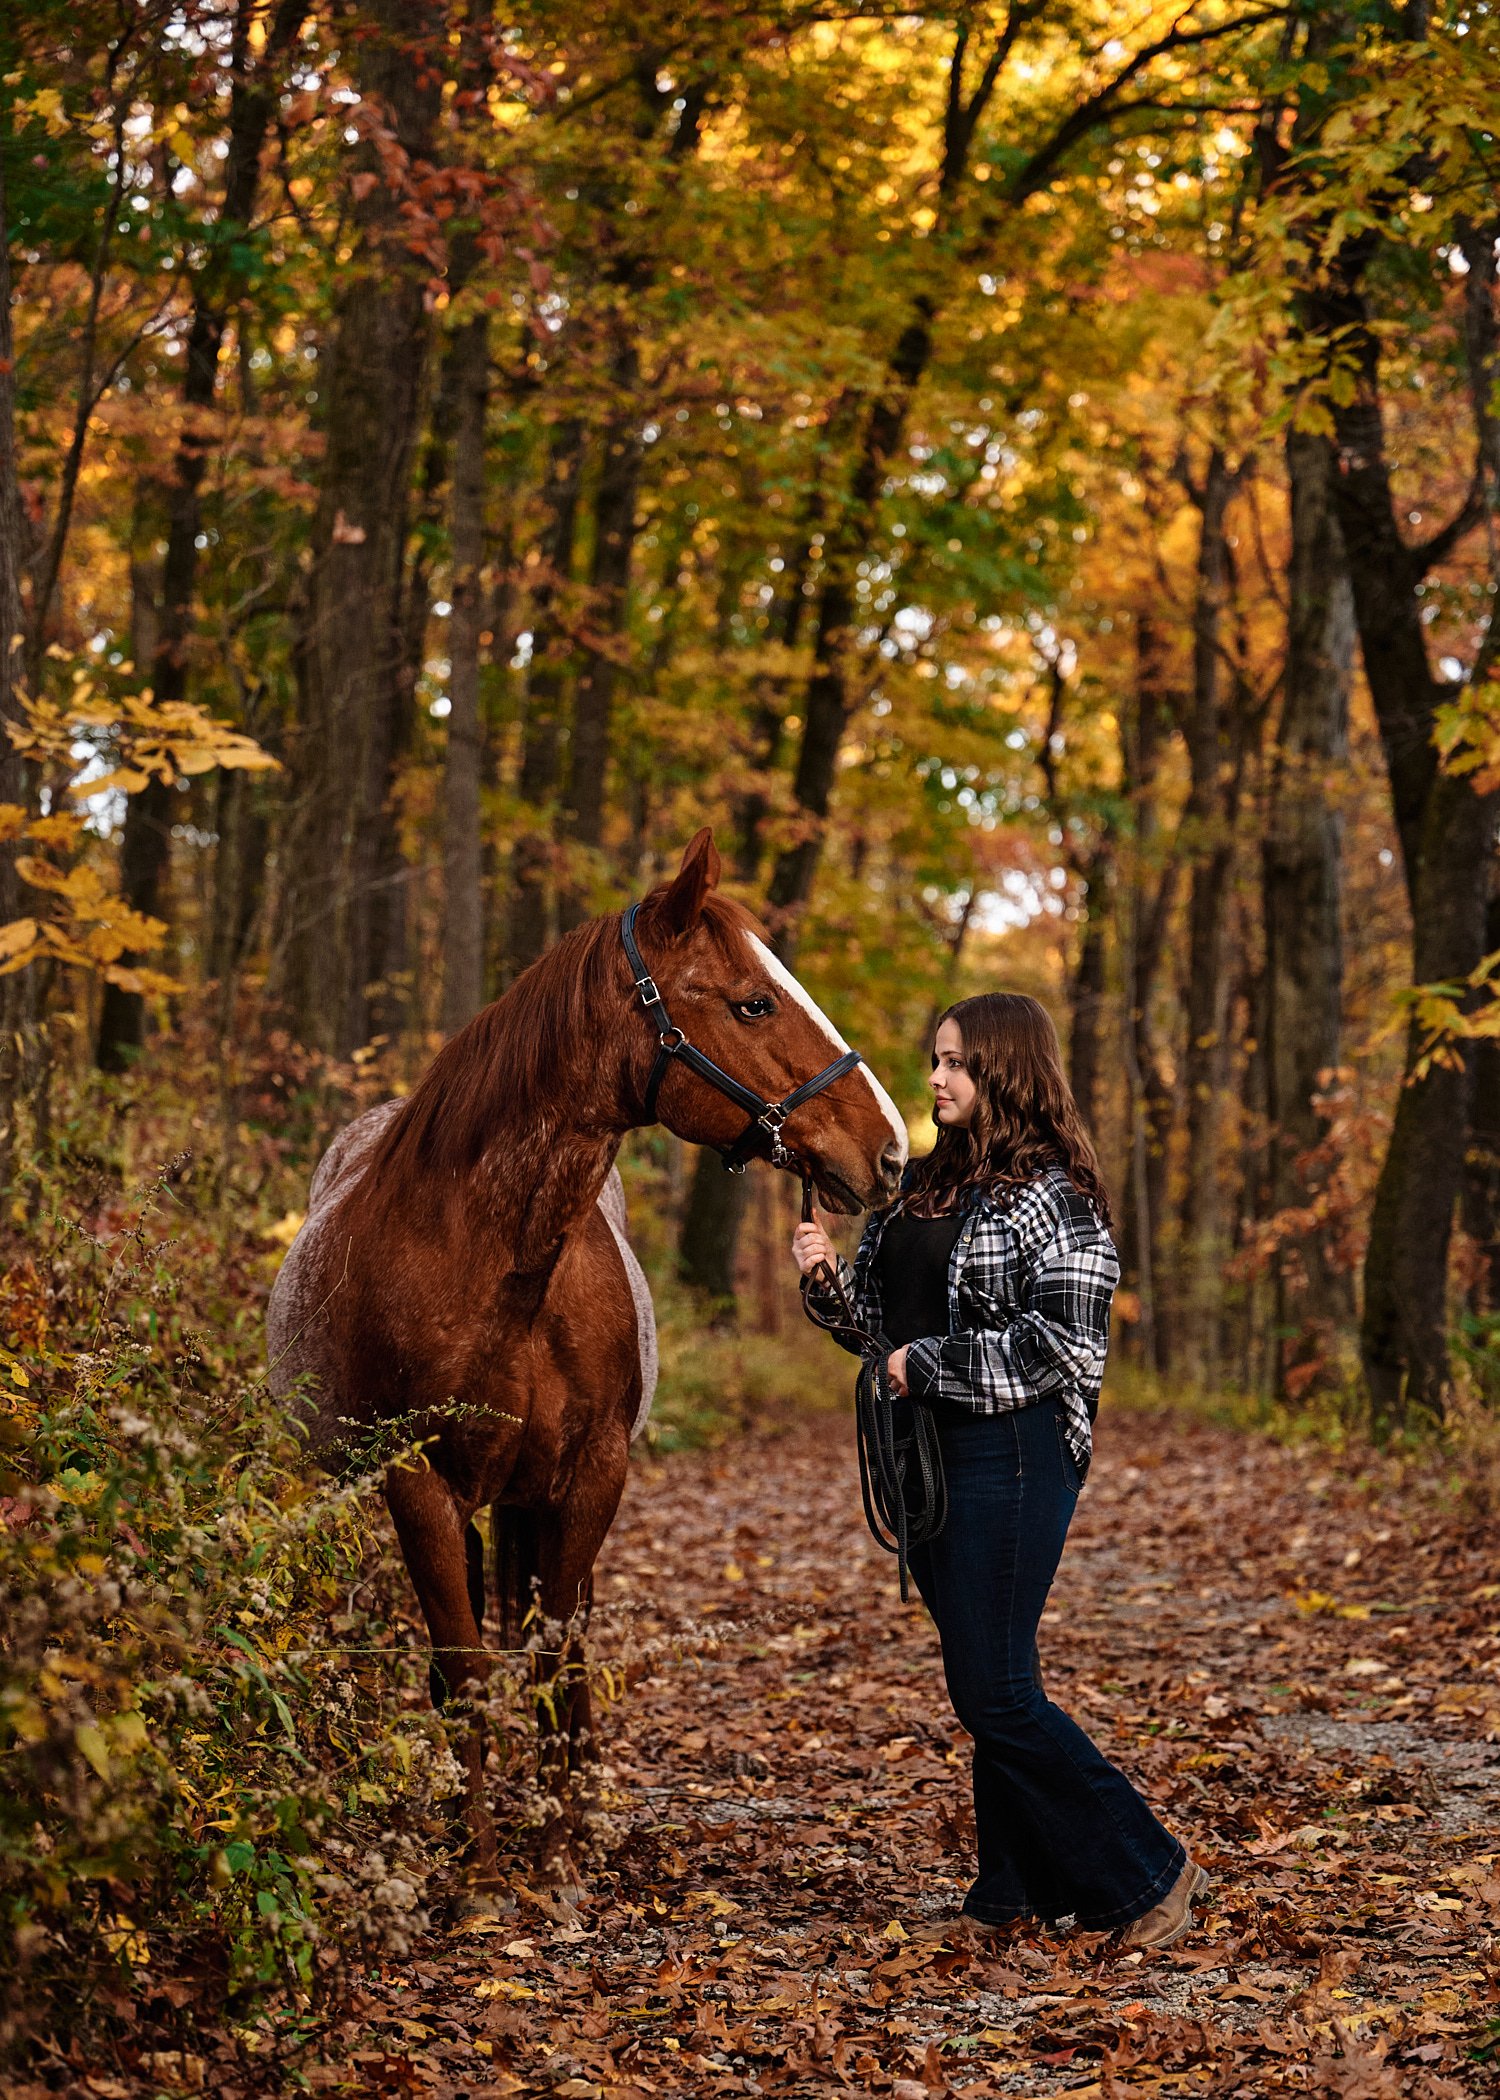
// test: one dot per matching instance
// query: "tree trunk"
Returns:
(239, 876)
(1480, 1207)
(768, 719)
(529, 921)
(146, 845)
(825, 705)
(1302, 880)
(1086, 993)
(463, 772)
(710, 1230)
(826, 700)
(614, 545)
(1447, 833)
(11, 612)
(342, 844)
(11, 617)
(1215, 734)
(1144, 911)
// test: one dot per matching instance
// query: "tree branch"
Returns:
(1429, 552)
(1104, 106)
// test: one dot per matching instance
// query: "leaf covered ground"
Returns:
(1296, 1659)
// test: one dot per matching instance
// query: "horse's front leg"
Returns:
(444, 1557)
(564, 1543)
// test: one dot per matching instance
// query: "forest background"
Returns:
(1027, 475)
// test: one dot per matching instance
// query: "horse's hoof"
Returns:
(479, 1904)
(558, 1888)
(562, 1902)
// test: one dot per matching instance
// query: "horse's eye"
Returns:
(754, 1009)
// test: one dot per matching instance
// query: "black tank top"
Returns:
(912, 1268)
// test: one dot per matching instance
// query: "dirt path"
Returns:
(1300, 1671)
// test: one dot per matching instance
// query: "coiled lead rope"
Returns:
(900, 1476)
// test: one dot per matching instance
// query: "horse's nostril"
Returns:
(890, 1163)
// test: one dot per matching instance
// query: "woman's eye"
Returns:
(754, 1009)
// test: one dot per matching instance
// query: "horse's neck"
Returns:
(508, 1168)
(547, 1178)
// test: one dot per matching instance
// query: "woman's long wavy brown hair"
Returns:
(1025, 1118)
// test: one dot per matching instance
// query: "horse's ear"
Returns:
(681, 906)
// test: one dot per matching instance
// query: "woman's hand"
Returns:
(895, 1369)
(810, 1246)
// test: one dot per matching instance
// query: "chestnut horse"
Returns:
(456, 1279)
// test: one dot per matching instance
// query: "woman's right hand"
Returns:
(810, 1246)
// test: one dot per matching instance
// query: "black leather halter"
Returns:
(766, 1117)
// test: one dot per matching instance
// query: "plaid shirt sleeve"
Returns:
(859, 1285)
(1052, 1342)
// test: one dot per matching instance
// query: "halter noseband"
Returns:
(766, 1117)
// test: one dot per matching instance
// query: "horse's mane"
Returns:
(510, 1055)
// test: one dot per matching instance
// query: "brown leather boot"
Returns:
(1172, 1917)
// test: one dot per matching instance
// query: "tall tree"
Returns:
(11, 639)
(960, 236)
(1445, 825)
(258, 57)
(529, 920)
(341, 846)
(965, 230)
(1301, 872)
(1216, 726)
(463, 769)
(1145, 900)
(615, 524)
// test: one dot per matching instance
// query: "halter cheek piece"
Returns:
(766, 1117)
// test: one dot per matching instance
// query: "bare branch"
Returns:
(1105, 105)
(1472, 512)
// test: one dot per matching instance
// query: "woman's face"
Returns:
(953, 1091)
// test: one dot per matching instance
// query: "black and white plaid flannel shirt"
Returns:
(1029, 1290)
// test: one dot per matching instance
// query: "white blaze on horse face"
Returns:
(781, 976)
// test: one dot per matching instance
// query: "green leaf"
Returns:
(93, 1746)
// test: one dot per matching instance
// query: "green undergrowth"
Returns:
(1321, 1418)
(723, 1380)
(220, 1778)
(1454, 1459)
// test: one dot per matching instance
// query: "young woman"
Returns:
(992, 1274)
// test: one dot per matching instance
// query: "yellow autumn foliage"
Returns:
(90, 926)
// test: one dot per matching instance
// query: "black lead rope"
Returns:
(900, 1476)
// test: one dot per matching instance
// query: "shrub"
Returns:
(217, 1759)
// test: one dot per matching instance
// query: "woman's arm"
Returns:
(1057, 1340)
(810, 1246)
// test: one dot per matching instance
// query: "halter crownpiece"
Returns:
(766, 1117)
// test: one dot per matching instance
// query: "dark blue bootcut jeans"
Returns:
(1061, 1831)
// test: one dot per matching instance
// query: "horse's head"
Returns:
(734, 1000)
